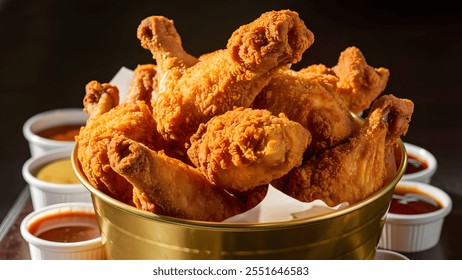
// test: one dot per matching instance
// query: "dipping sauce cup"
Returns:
(415, 218)
(64, 231)
(53, 129)
(51, 179)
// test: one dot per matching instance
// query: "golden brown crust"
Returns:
(352, 171)
(175, 188)
(308, 97)
(247, 120)
(100, 98)
(359, 83)
(143, 85)
(133, 120)
(193, 93)
(159, 35)
(276, 37)
(246, 148)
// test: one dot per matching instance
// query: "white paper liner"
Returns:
(275, 207)
(122, 80)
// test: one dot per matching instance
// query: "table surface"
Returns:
(50, 49)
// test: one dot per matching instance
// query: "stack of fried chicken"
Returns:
(201, 138)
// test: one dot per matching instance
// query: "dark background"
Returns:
(50, 49)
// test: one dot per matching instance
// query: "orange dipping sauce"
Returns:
(61, 133)
(66, 227)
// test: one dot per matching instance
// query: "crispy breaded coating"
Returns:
(244, 148)
(132, 119)
(353, 171)
(159, 35)
(192, 92)
(143, 85)
(309, 99)
(175, 188)
(322, 98)
(202, 138)
(359, 83)
(275, 37)
(99, 98)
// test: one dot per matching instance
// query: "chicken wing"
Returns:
(107, 119)
(99, 98)
(175, 188)
(245, 148)
(193, 91)
(352, 171)
(322, 98)
(359, 83)
(143, 85)
(309, 99)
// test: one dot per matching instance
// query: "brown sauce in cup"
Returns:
(415, 164)
(61, 133)
(66, 227)
(419, 206)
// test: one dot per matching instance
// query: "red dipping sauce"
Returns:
(415, 164)
(399, 206)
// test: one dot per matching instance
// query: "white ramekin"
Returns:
(38, 145)
(45, 193)
(41, 249)
(416, 232)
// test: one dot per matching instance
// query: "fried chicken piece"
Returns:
(359, 84)
(99, 98)
(252, 197)
(142, 201)
(177, 189)
(106, 120)
(159, 35)
(143, 85)
(192, 92)
(275, 37)
(322, 98)
(309, 99)
(353, 171)
(245, 148)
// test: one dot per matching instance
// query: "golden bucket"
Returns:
(350, 233)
